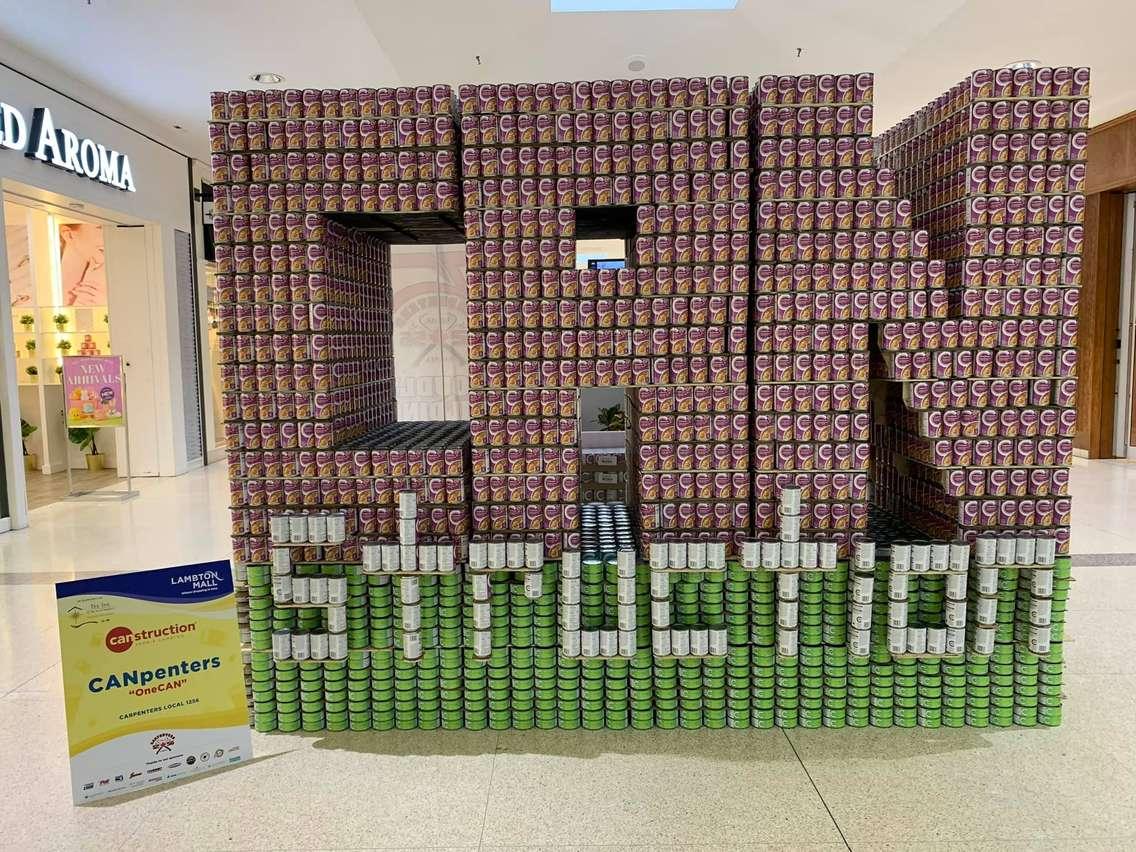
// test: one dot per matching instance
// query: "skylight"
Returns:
(642, 5)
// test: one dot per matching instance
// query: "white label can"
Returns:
(987, 580)
(787, 643)
(282, 588)
(751, 553)
(897, 587)
(570, 564)
(534, 585)
(790, 554)
(534, 553)
(410, 591)
(859, 642)
(317, 590)
(960, 556)
(1025, 550)
(1045, 550)
(1041, 583)
(279, 529)
(569, 642)
(478, 554)
(626, 615)
(676, 554)
(897, 640)
(480, 587)
(336, 619)
(412, 618)
(372, 558)
(407, 504)
(827, 552)
(940, 557)
(481, 615)
(917, 640)
(1039, 638)
(956, 587)
(700, 641)
(897, 614)
(609, 642)
(337, 646)
(985, 550)
(281, 560)
(661, 642)
(808, 555)
(301, 586)
(658, 555)
(625, 590)
(570, 616)
(483, 643)
(1005, 550)
(445, 558)
(899, 560)
(625, 563)
(589, 643)
(412, 645)
(956, 640)
(986, 610)
(660, 584)
(984, 640)
(336, 528)
(1041, 611)
(680, 642)
(790, 528)
(660, 613)
(864, 556)
(281, 644)
(955, 614)
(301, 646)
(337, 590)
(317, 528)
(408, 557)
(770, 555)
(860, 616)
(297, 529)
(719, 641)
(390, 558)
(515, 553)
(787, 614)
(428, 558)
(496, 554)
(716, 555)
(317, 642)
(936, 640)
(569, 590)
(788, 586)
(695, 555)
(863, 588)
(790, 501)
(920, 557)
(627, 643)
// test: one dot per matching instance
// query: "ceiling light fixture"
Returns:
(636, 63)
(267, 78)
(642, 5)
(1024, 63)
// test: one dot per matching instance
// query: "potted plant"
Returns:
(64, 346)
(32, 371)
(27, 321)
(60, 321)
(30, 345)
(59, 371)
(612, 418)
(84, 438)
(31, 460)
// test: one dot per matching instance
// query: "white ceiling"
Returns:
(161, 58)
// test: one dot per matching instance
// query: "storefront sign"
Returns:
(152, 677)
(92, 386)
(40, 139)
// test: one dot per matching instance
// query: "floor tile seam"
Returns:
(489, 789)
(808, 775)
(23, 683)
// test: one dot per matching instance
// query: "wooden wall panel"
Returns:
(1111, 155)
(1099, 325)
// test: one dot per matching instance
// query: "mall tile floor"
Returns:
(1072, 787)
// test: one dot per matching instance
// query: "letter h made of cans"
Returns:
(885, 327)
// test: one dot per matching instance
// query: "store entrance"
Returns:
(59, 306)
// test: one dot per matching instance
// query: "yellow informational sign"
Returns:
(152, 677)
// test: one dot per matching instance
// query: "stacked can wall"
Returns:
(672, 158)
(983, 436)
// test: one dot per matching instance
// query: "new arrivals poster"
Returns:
(152, 677)
(92, 386)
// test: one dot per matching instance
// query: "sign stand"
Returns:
(99, 495)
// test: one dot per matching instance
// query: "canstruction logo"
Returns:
(119, 639)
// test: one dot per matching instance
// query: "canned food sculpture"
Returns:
(851, 373)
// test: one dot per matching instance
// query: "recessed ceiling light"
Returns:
(642, 5)
(178, 127)
(1024, 63)
(636, 63)
(267, 78)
